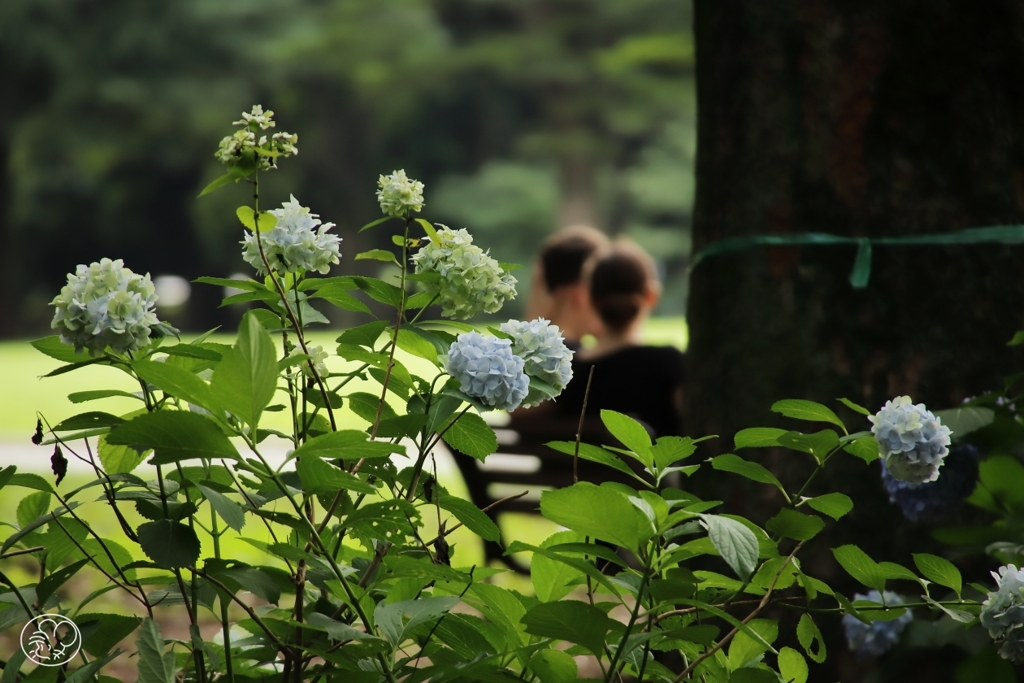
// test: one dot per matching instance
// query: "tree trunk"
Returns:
(860, 119)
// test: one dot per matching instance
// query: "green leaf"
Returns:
(91, 420)
(751, 470)
(396, 620)
(865, 448)
(101, 632)
(671, 449)
(6, 474)
(810, 638)
(594, 454)
(861, 567)
(758, 437)
(744, 649)
(469, 434)
(364, 335)
(339, 297)
(246, 378)
(553, 580)
(597, 511)
(83, 396)
(554, 666)
(176, 382)
(154, 665)
(29, 528)
(32, 507)
(734, 541)
(55, 580)
(346, 444)
(629, 432)
(230, 511)
(428, 228)
(796, 525)
(792, 666)
(471, 517)
(55, 348)
(986, 666)
(1018, 339)
(29, 481)
(966, 419)
(337, 630)
(366, 406)
(378, 290)
(818, 444)
(320, 477)
(377, 255)
(377, 222)
(854, 407)
(246, 215)
(117, 459)
(414, 344)
(810, 411)
(174, 435)
(835, 505)
(571, 620)
(172, 545)
(892, 570)
(939, 570)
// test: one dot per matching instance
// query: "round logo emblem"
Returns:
(51, 640)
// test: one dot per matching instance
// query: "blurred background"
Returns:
(520, 117)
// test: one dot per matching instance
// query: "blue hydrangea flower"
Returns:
(105, 305)
(874, 639)
(548, 359)
(470, 280)
(295, 244)
(913, 441)
(1002, 613)
(488, 370)
(931, 500)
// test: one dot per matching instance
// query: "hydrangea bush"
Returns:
(359, 581)
(876, 637)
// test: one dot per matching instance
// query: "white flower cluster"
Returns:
(913, 441)
(294, 244)
(105, 304)
(1002, 613)
(541, 345)
(470, 280)
(317, 355)
(262, 151)
(399, 194)
(488, 370)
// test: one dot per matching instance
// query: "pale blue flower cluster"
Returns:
(295, 244)
(398, 194)
(487, 370)
(874, 639)
(261, 151)
(470, 280)
(913, 441)
(548, 359)
(1002, 613)
(105, 304)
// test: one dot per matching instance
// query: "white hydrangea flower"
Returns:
(1002, 613)
(488, 370)
(470, 280)
(541, 345)
(317, 355)
(105, 304)
(241, 147)
(913, 441)
(295, 243)
(399, 194)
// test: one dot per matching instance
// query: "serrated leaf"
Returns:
(835, 505)
(861, 567)
(570, 620)
(758, 437)
(245, 379)
(810, 638)
(320, 477)
(414, 344)
(554, 666)
(597, 511)
(744, 649)
(377, 255)
(795, 525)
(174, 436)
(593, 454)
(83, 396)
(230, 511)
(364, 335)
(337, 630)
(730, 462)
(347, 444)
(939, 570)
(154, 665)
(32, 507)
(735, 543)
(177, 382)
(631, 433)
(471, 517)
(810, 411)
(471, 435)
(247, 217)
(53, 347)
(819, 444)
(118, 459)
(339, 297)
(101, 632)
(172, 545)
(892, 570)
(792, 666)
(865, 448)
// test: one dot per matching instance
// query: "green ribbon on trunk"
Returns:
(861, 272)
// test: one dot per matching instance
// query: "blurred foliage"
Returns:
(523, 114)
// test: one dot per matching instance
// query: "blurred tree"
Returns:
(873, 119)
